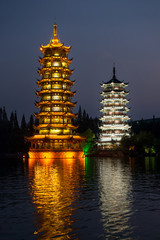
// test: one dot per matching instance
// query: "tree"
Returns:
(4, 115)
(11, 122)
(16, 125)
(79, 114)
(23, 125)
(31, 126)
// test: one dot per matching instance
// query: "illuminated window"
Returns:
(57, 97)
(57, 86)
(46, 109)
(56, 109)
(56, 120)
(43, 131)
(66, 131)
(56, 64)
(56, 54)
(55, 131)
(48, 64)
(47, 97)
(66, 98)
(64, 75)
(64, 64)
(46, 120)
(56, 74)
(46, 75)
(47, 86)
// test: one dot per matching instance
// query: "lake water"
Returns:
(84, 199)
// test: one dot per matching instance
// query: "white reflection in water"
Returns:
(116, 197)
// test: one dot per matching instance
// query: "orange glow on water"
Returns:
(54, 184)
(56, 154)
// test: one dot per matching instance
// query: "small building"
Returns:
(114, 118)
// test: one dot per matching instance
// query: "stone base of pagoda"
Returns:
(55, 154)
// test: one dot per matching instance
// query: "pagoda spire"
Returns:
(114, 71)
(55, 29)
(54, 38)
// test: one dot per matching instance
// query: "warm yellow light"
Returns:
(48, 155)
(56, 64)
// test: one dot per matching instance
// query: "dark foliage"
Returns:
(12, 135)
(144, 138)
(84, 122)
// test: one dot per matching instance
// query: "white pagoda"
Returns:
(114, 119)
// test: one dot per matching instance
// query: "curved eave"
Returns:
(43, 80)
(68, 126)
(39, 93)
(38, 104)
(52, 45)
(55, 58)
(54, 114)
(49, 137)
(111, 84)
(55, 69)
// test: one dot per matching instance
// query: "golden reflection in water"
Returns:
(54, 188)
(115, 196)
(55, 155)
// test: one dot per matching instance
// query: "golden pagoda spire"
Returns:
(55, 40)
(114, 71)
(55, 29)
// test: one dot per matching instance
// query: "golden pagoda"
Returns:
(55, 131)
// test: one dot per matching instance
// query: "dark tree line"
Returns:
(151, 125)
(85, 122)
(12, 134)
(144, 138)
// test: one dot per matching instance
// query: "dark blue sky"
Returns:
(100, 32)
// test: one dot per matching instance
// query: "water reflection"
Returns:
(115, 191)
(54, 189)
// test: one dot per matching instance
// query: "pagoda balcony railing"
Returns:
(113, 123)
(112, 100)
(111, 111)
(54, 114)
(48, 91)
(54, 87)
(53, 69)
(52, 79)
(115, 101)
(113, 107)
(51, 101)
(114, 116)
(114, 127)
(112, 135)
(51, 111)
(113, 96)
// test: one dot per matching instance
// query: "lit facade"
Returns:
(114, 111)
(55, 130)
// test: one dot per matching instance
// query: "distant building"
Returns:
(114, 119)
(55, 131)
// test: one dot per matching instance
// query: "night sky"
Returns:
(124, 32)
